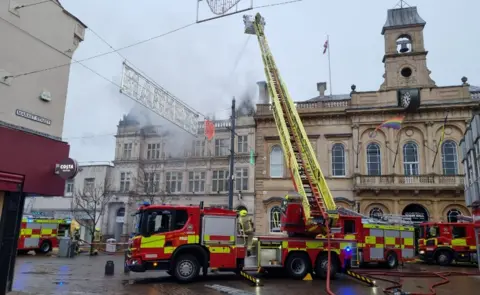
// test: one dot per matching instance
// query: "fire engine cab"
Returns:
(443, 243)
(186, 239)
(41, 234)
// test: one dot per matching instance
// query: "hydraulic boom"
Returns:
(317, 200)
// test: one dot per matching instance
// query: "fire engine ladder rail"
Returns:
(308, 179)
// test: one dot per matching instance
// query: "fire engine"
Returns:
(40, 234)
(444, 242)
(186, 239)
(388, 240)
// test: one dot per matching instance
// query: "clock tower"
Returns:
(405, 56)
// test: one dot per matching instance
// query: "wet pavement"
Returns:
(85, 275)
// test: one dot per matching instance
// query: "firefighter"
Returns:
(76, 238)
(97, 238)
(247, 229)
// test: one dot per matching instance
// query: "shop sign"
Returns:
(67, 169)
(33, 117)
(416, 217)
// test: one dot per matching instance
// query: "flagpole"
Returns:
(329, 65)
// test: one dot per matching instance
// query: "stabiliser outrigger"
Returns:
(186, 239)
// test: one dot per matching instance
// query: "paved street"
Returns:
(85, 275)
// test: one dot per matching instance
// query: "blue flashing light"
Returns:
(29, 220)
(348, 249)
(146, 204)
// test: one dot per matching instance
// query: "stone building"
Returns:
(162, 164)
(388, 171)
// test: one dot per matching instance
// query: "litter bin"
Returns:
(64, 247)
(111, 246)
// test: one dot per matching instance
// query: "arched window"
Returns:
(449, 158)
(275, 214)
(376, 213)
(410, 159)
(452, 215)
(276, 162)
(374, 162)
(338, 160)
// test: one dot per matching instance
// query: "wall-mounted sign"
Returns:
(33, 117)
(67, 169)
(417, 217)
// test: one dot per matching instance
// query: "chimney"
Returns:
(263, 97)
(321, 87)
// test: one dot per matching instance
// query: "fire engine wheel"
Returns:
(392, 260)
(45, 247)
(186, 268)
(298, 265)
(444, 258)
(321, 266)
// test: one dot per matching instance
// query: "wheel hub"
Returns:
(298, 265)
(185, 268)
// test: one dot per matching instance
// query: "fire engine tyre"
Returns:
(392, 260)
(298, 265)
(45, 247)
(186, 268)
(322, 264)
(443, 258)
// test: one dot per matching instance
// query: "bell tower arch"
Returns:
(405, 56)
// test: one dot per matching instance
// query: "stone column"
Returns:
(356, 146)
(428, 144)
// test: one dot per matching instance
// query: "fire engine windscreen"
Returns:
(137, 221)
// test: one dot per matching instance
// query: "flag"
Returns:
(442, 135)
(252, 157)
(325, 46)
(394, 123)
(209, 129)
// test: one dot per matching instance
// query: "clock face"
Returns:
(406, 99)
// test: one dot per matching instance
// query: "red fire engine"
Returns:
(40, 234)
(186, 239)
(388, 240)
(443, 243)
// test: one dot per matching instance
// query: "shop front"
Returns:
(29, 164)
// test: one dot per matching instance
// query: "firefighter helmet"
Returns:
(243, 213)
(97, 229)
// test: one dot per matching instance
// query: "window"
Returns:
(220, 181)
(374, 162)
(449, 158)
(125, 178)
(376, 213)
(410, 159)
(196, 181)
(452, 215)
(276, 162)
(241, 179)
(349, 227)
(198, 148)
(242, 144)
(69, 187)
(275, 214)
(459, 232)
(162, 221)
(152, 182)
(338, 160)
(181, 218)
(127, 150)
(89, 185)
(221, 147)
(173, 182)
(153, 151)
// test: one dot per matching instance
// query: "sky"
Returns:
(206, 64)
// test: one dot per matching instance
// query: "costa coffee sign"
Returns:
(67, 169)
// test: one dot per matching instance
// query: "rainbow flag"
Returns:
(394, 123)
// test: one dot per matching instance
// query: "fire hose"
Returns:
(395, 288)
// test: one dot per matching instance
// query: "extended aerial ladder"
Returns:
(319, 208)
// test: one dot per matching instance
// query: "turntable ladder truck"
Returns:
(318, 206)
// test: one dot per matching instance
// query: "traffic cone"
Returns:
(308, 277)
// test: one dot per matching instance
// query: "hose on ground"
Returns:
(396, 286)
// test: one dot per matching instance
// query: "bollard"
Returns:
(109, 268)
